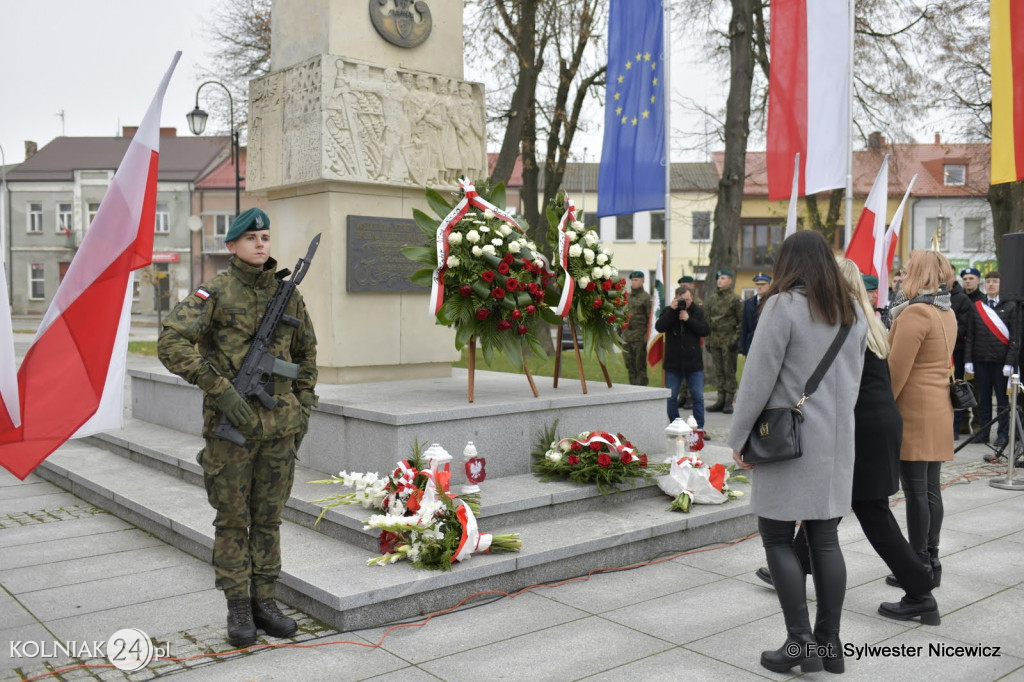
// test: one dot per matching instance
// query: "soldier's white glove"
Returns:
(969, 368)
(1007, 370)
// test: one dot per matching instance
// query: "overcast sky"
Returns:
(100, 61)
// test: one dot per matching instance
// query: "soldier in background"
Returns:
(724, 311)
(634, 336)
(751, 311)
(204, 341)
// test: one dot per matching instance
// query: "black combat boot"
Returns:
(718, 406)
(727, 407)
(269, 618)
(241, 629)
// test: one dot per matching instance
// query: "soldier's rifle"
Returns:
(259, 365)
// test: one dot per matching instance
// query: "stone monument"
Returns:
(364, 107)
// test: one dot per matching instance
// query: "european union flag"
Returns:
(632, 176)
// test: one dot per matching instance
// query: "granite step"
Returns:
(156, 489)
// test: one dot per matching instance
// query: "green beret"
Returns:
(252, 220)
(870, 282)
(685, 279)
(762, 277)
(723, 271)
(636, 273)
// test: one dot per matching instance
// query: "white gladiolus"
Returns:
(584, 281)
(488, 249)
(602, 259)
(477, 251)
(498, 241)
(575, 250)
(588, 256)
(488, 214)
(455, 238)
(515, 246)
(453, 261)
(472, 236)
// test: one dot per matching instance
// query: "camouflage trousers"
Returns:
(723, 374)
(248, 486)
(635, 355)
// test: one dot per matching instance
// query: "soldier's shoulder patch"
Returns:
(202, 293)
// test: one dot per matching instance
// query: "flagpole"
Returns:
(666, 59)
(849, 137)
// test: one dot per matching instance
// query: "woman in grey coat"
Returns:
(806, 305)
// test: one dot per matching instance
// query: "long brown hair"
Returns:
(806, 260)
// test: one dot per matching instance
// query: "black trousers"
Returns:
(989, 376)
(828, 569)
(920, 482)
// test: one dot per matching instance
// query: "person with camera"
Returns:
(683, 324)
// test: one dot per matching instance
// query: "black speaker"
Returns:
(1011, 268)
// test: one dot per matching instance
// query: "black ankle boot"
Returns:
(799, 650)
(911, 608)
(241, 629)
(893, 582)
(933, 560)
(830, 649)
(269, 618)
(717, 407)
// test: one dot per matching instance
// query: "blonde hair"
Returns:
(878, 337)
(926, 272)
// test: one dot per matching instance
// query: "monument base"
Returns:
(370, 426)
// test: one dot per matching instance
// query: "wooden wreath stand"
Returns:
(579, 359)
(472, 371)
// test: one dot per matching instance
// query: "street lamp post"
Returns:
(197, 124)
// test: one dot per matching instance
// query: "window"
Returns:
(36, 282)
(93, 209)
(135, 289)
(64, 219)
(972, 234)
(930, 226)
(954, 174)
(35, 216)
(701, 225)
(591, 220)
(163, 220)
(221, 223)
(624, 227)
(657, 226)
(759, 243)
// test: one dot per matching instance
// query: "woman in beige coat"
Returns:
(922, 338)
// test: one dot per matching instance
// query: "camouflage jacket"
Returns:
(724, 311)
(205, 338)
(638, 305)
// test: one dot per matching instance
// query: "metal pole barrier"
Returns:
(1009, 483)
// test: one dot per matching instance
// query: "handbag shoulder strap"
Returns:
(826, 362)
(948, 354)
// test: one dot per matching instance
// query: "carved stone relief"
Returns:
(337, 119)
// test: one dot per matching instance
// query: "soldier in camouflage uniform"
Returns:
(634, 336)
(724, 311)
(204, 340)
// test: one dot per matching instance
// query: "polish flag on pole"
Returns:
(10, 414)
(72, 378)
(892, 236)
(868, 241)
(793, 197)
(808, 101)
(655, 340)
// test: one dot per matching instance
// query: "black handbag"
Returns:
(775, 436)
(961, 394)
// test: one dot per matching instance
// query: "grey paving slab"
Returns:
(491, 623)
(36, 488)
(665, 617)
(18, 658)
(955, 593)
(121, 591)
(59, 530)
(989, 562)
(410, 674)
(737, 559)
(49, 500)
(75, 546)
(673, 665)
(607, 591)
(541, 655)
(87, 569)
(935, 659)
(989, 521)
(12, 613)
(7, 479)
(989, 621)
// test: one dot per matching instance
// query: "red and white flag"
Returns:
(808, 95)
(656, 340)
(892, 236)
(868, 241)
(72, 378)
(10, 414)
(793, 198)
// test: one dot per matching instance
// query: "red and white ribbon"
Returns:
(604, 437)
(569, 287)
(404, 476)
(472, 541)
(994, 323)
(469, 199)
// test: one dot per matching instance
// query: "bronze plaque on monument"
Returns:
(375, 260)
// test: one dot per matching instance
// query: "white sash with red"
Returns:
(994, 323)
(569, 287)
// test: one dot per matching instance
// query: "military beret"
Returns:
(761, 277)
(723, 271)
(636, 273)
(252, 220)
(870, 282)
(971, 271)
(685, 279)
